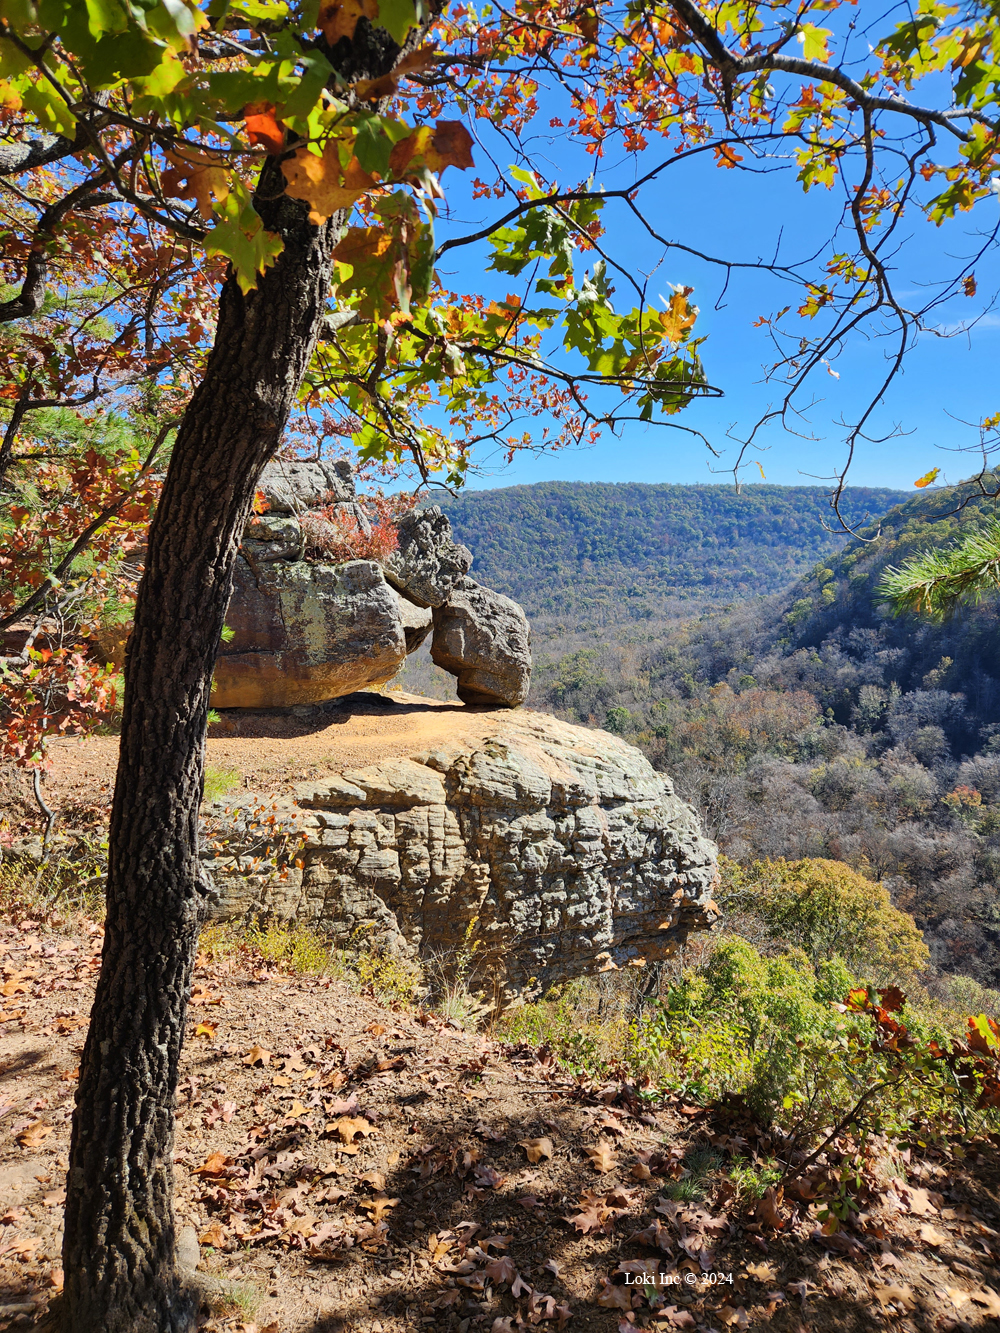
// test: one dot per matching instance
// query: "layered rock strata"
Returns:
(555, 850)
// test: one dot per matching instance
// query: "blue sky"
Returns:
(946, 383)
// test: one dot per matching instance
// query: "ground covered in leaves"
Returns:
(343, 1165)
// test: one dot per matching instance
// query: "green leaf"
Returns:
(397, 17)
(250, 249)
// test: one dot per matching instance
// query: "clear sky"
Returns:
(946, 381)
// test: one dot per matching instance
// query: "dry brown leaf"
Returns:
(957, 1296)
(931, 1236)
(378, 1207)
(326, 187)
(349, 1127)
(920, 1202)
(734, 1317)
(765, 1273)
(257, 1056)
(602, 1156)
(376, 1179)
(214, 1236)
(894, 1295)
(987, 1297)
(12, 1015)
(281, 1081)
(33, 1135)
(213, 1166)
(614, 1298)
(537, 1149)
(768, 1211)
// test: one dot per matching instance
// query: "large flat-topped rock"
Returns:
(558, 850)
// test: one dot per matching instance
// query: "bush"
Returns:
(829, 911)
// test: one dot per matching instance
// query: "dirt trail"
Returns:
(275, 751)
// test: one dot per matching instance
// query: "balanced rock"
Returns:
(429, 563)
(556, 850)
(304, 633)
(484, 639)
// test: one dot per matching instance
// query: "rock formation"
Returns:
(305, 633)
(555, 849)
(308, 632)
(484, 639)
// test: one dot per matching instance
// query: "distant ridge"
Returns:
(565, 547)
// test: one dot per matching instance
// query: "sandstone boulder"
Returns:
(557, 850)
(306, 633)
(418, 621)
(291, 486)
(484, 639)
(429, 563)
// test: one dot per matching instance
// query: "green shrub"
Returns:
(830, 911)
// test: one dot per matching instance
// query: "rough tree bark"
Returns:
(119, 1247)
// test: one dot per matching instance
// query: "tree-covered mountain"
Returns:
(809, 723)
(625, 551)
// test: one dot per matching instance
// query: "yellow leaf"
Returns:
(927, 478)
(206, 1030)
(337, 20)
(322, 184)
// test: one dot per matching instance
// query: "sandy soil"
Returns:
(273, 751)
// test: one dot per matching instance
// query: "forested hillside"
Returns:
(807, 723)
(615, 553)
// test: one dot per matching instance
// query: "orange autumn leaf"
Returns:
(337, 20)
(927, 478)
(263, 128)
(448, 144)
(196, 175)
(206, 1030)
(349, 1127)
(323, 184)
(213, 1166)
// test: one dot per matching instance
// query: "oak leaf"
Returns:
(987, 1297)
(614, 1298)
(32, 1136)
(377, 1207)
(214, 1236)
(257, 1056)
(602, 1156)
(324, 185)
(195, 174)
(537, 1149)
(448, 144)
(214, 1165)
(349, 1127)
(894, 1295)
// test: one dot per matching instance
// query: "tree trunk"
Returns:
(119, 1243)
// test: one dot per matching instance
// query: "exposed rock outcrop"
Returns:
(556, 849)
(428, 564)
(305, 633)
(484, 639)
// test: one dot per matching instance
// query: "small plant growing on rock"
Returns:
(334, 533)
